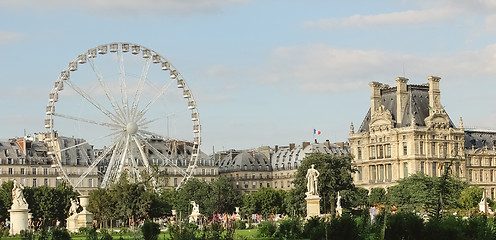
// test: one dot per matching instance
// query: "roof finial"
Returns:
(352, 128)
(461, 122)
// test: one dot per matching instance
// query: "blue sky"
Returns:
(262, 72)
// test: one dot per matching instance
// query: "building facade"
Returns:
(405, 131)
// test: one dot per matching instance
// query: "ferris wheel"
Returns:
(119, 98)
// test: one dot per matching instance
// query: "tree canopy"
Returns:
(335, 175)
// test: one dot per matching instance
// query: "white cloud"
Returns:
(395, 18)
(8, 37)
(322, 68)
(126, 7)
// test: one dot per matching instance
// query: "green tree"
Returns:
(194, 190)
(132, 201)
(422, 193)
(265, 201)
(377, 195)
(355, 198)
(470, 197)
(225, 198)
(102, 205)
(335, 175)
(5, 199)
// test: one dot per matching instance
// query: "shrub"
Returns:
(266, 229)
(27, 235)
(43, 234)
(150, 230)
(404, 226)
(343, 227)
(289, 229)
(314, 228)
(182, 231)
(60, 234)
(106, 236)
(91, 233)
(240, 224)
(449, 228)
(479, 227)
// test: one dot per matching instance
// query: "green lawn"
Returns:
(248, 234)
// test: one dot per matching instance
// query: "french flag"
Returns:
(316, 132)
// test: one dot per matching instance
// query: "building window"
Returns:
(404, 137)
(445, 148)
(373, 172)
(11, 171)
(405, 148)
(45, 182)
(360, 173)
(421, 148)
(22, 171)
(373, 151)
(389, 175)
(422, 167)
(289, 184)
(175, 182)
(34, 182)
(381, 151)
(268, 184)
(90, 182)
(45, 171)
(381, 172)
(433, 149)
(470, 175)
(203, 171)
(359, 155)
(254, 185)
(33, 171)
(456, 149)
(388, 153)
(434, 169)
(405, 169)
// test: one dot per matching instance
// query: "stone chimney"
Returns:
(375, 96)
(434, 94)
(327, 143)
(401, 97)
(291, 146)
(305, 144)
(276, 148)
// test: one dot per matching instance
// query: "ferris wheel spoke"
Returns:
(143, 111)
(122, 80)
(88, 142)
(101, 80)
(112, 165)
(80, 119)
(123, 158)
(163, 157)
(86, 96)
(141, 84)
(95, 163)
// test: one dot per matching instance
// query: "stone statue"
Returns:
(312, 176)
(338, 203)
(339, 209)
(196, 208)
(18, 200)
(73, 208)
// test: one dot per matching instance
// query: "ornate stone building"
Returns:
(266, 167)
(480, 149)
(405, 131)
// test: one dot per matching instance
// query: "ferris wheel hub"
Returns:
(132, 128)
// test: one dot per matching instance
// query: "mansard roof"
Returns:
(244, 161)
(478, 138)
(290, 158)
(417, 105)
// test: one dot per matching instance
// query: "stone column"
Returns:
(18, 220)
(313, 205)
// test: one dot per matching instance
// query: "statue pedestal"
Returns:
(18, 220)
(72, 223)
(313, 205)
